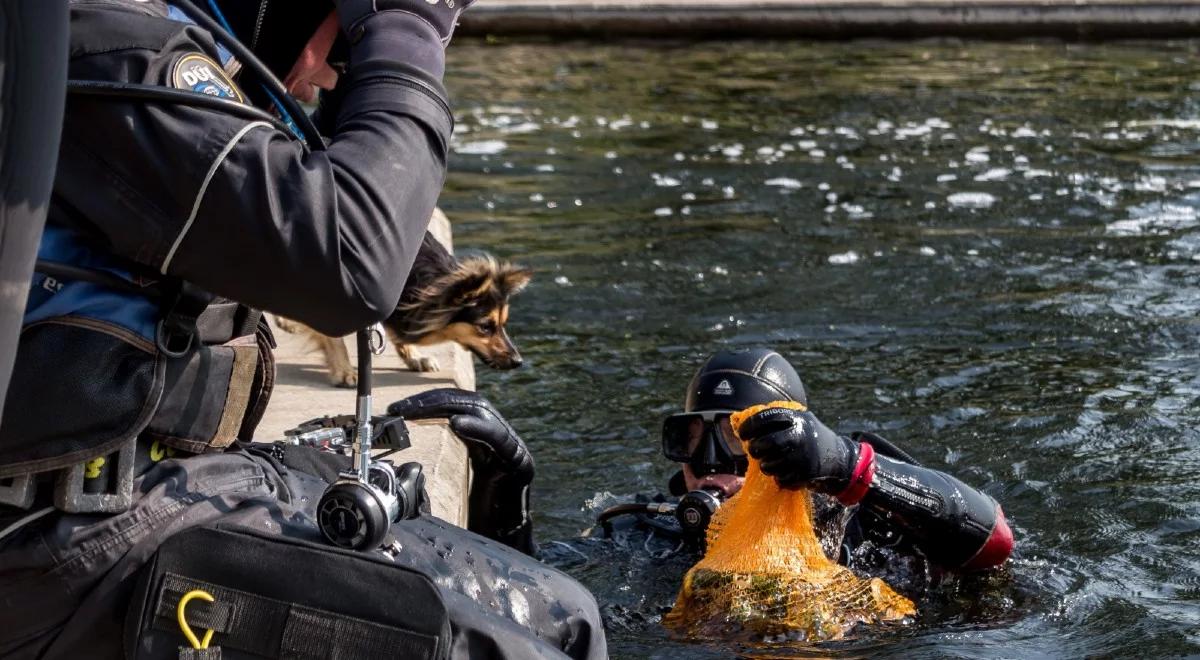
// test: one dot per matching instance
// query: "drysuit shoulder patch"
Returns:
(199, 73)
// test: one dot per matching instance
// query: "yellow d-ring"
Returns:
(183, 624)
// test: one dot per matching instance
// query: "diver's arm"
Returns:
(954, 525)
(240, 209)
(328, 237)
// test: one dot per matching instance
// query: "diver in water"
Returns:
(898, 504)
(893, 504)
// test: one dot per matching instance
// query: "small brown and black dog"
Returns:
(444, 299)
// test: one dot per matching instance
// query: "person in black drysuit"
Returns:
(185, 218)
(898, 504)
(901, 504)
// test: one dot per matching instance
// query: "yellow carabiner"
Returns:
(183, 624)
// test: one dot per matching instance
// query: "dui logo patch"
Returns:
(198, 73)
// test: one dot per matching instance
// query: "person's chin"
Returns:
(727, 483)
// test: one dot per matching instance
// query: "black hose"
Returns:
(103, 278)
(363, 338)
(312, 137)
(624, 509)
(104, 89)
(884, 447)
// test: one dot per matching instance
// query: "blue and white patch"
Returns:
(198, 73)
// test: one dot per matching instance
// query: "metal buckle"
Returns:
(116, 468)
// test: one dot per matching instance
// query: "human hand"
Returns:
(799, 451)
(491, 442)
(441, 15)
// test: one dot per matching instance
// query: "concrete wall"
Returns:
(302, 392)
(835, 19)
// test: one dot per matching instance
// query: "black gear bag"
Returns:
(276, 597)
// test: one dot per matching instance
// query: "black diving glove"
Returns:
(398, 45)
(954, 525)
(800, 452)
(440, 15)
(503, 467)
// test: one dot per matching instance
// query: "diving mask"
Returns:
(705, 441)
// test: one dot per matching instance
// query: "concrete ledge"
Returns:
(840, 19)
(302, 392)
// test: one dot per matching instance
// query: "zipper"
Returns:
(262, 12)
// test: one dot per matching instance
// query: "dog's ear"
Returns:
(469, 285)
(514, 278)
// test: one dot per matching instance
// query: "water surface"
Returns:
(986, 252)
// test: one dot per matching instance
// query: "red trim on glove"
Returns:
(861, 478)
(996, 549)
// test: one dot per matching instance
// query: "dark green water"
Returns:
(987, 252)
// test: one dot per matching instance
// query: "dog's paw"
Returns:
(422, 364)
(287, 325)
(343, 377)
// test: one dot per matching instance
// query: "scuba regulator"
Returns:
(358, 509)
(692, 513)
(695, 510)
(703, 440)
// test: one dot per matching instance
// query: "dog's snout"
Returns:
(507, 355)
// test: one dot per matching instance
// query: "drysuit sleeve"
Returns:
(239, 207)
(954, 525)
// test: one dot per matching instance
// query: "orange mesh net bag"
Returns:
(764, 572)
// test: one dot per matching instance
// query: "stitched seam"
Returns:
(127, 534)
(212, 170)
(127, 336)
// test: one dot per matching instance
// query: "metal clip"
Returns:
(71, 489)
(375, 339)
(326, 438)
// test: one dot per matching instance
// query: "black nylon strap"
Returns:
(314, 633)
(183, 308)
(210, 653)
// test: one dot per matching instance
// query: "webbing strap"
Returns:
(278, 629)
(189, 653)
(224, 320)
(313, 633)
(183, 307)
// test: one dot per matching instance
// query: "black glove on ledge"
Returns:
(503, 467)
(954, 525)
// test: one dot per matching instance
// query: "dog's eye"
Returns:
(486, 328)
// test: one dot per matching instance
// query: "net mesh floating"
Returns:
(765, 574)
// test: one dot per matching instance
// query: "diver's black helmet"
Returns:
(738, 380)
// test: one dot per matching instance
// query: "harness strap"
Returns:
(181, 309)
